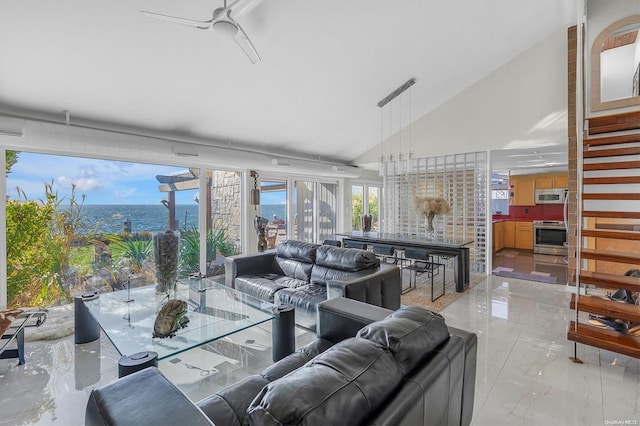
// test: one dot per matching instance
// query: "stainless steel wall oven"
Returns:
(550, 237)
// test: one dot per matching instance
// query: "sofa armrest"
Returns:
(381, 288)
(144, 397)
(469, 378)
(340, 318)
(245, 264)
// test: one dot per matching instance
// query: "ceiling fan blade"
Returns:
(203, 25)
(241, 7)
(245, 44)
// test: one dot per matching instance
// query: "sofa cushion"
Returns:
(296, 360)
(355, 377)
(410, 333)
(297, 250)
(305, 300)
(293, 268)
(324, 274)
(346, 259)
(229, 405)
(258, 286)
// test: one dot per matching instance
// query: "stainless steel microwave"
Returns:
(551, 196)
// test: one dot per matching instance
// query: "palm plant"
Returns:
(134, 252)
(217, 242)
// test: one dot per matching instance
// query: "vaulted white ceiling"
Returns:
(325, 65)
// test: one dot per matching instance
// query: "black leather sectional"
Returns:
(304, 274)
(403, 367)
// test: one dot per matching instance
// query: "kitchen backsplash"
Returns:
(537, 212)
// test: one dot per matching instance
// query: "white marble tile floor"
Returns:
(524, 375)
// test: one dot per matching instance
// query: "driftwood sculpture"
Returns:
(171, 318)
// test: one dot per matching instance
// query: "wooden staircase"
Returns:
(609, 233)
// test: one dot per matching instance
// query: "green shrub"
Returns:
(217, 242)
(40, 237)
(127, 251)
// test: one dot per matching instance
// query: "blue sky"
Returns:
(101, 181)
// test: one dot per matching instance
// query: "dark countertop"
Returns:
(410, 239)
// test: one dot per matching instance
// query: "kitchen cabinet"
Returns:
(509, 236)
(524, 235)
(498, 236)
(555, 180)
(522, 190)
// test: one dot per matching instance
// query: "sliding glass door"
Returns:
(273, 207)
(314, 205)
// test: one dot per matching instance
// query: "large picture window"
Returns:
(80, 224)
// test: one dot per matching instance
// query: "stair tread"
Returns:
(618, 122)
(611, 165)
(601, 279)
(611, 255)
(611, 196)
(608, 308)
(611, 233)
(611, 140)
(610, 180)
(611, 214)
(604, 339)
(613, 152)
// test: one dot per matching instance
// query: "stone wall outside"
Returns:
(226, 202)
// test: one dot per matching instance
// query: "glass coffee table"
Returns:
(214, 311)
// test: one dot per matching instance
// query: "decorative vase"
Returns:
(366, 220)
(428, 223)
(165, 250)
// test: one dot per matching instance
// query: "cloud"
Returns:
(88, 172)
(121, 166)
(125, 193)
(82, 184)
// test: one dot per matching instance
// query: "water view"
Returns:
(110, 218)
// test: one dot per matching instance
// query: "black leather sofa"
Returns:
(404, 367)
(303, 275)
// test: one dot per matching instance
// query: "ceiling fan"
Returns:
(223, 22)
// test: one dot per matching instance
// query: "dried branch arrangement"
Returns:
(429, 207)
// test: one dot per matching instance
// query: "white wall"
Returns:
(520, 105)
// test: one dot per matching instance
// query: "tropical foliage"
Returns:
(10, 158)
(217, 242)
(39, 243)
(127, 251)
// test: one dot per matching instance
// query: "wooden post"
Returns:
(172, 211)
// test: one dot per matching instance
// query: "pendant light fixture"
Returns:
(400, 165)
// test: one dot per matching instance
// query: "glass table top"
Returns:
(214, 311)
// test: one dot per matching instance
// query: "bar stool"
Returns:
(422, 262)
(384, 252)
(354, 244)
(334, 243)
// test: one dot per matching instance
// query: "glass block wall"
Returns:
(461, 179)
